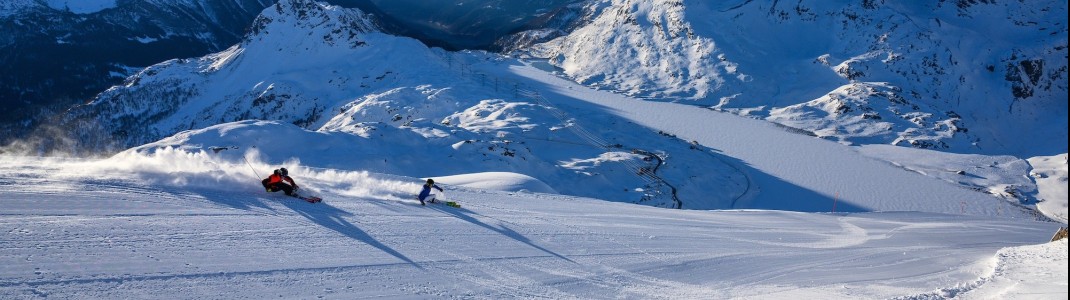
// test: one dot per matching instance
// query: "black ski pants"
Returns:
(277, 186)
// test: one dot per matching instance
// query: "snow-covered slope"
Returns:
(786, 170)
(259, 78)
(403, 110)
(540, 166)
(769, 168)
(1050, 174)
(185, 225)
(967, 76)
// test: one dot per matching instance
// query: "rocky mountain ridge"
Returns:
(55, 56)
(967, 76)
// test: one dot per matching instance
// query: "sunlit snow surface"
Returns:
(177, 218)
(769, 213)
(189, 226)
(1050, 174)
(380, 103)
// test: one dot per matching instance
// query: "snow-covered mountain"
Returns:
(186, 216)
(859, 73)
(545, 169)
(330, 69)
(58, 53)
(378, 91)
(965, 76)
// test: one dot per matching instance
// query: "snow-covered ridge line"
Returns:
(75, 55)
(399, 106)
(291, 28)
(390, 98)
(984, 78)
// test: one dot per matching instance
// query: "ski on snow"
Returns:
(310, 199)
(447, 203)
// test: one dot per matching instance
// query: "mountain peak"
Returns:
(292, 18)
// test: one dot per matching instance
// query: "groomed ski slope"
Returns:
(90, 230)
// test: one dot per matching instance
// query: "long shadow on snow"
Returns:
(321, 213)
(464, 214)
(787, 196)
(331, 218)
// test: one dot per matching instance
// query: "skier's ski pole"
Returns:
(250, 167)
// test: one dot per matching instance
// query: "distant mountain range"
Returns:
(59, 53)
(398, 106)
(967, 76)
(960, 76)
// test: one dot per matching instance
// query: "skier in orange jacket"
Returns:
(280, 181)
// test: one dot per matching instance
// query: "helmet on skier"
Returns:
(430, 181)
(282, 171)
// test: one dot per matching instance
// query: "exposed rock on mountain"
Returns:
(60, 53)
(966, 76)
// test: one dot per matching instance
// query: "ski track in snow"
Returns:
(122, 239)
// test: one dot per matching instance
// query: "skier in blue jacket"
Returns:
(426, 194)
